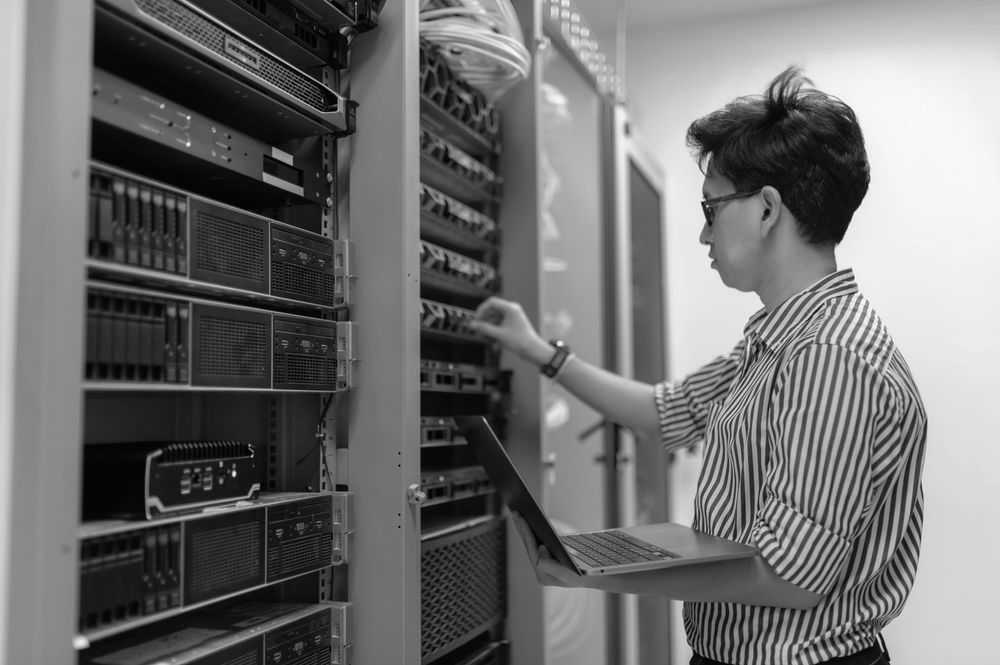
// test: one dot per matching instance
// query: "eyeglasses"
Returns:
(708, 205)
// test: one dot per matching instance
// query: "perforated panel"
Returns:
(231, 346)
(294, 369)
(293, 279)
(299, 554)
(462, 587)
(230, 248)
(222, 555)
(212, 37)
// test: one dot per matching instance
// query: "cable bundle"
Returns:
(481, 41)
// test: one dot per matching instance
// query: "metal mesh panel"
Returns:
(297, 369)
(232, 347)
(209, 35)
(230, 248)
(297, 554)
(462, 587)
(222, 557)
(287, 277)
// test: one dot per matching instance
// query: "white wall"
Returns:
(924, 79)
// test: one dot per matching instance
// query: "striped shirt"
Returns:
(814, 444)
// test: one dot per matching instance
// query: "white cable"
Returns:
(481, 40)
(494, 51)
(467, 31)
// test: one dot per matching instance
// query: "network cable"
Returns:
(481, 40)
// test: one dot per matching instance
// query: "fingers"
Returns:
(552, 573)
(493, 310)
(527, 537)
(488, 317)
(500, 320)
(505, 322)
(548, 571)
(484, 328)
(536, 553)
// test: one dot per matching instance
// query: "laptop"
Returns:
(604, 552)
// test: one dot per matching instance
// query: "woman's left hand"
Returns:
(548, 571)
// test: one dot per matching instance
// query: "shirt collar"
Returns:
(772, 328)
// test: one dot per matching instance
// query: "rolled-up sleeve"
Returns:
(818, 481)
(682, 406)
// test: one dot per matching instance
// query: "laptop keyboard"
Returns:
(610, 548)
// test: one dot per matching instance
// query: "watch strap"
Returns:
(555, 363)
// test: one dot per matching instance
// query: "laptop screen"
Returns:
(491, 454)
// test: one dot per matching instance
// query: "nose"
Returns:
(706, 233)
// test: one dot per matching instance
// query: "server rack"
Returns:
(218, 290)
(463, 549)
(387, 182)
(371, 432)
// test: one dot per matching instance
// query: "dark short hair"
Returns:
(801, 141)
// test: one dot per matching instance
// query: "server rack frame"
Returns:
(45, 122)
(49, 35)
(283, 461)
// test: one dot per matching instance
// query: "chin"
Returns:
(732, 284)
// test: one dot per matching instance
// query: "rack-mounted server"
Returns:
(145, 225)
(456, 272)
(143, 480)
(245, 632)
(361, 15)
(138, 337)
(132, 573)
(448, 167)
(450, 221)
(448, 321)
(437, 431)
(135, 127)
(454, 484)
(441, 376)
(207, 64)
(447, 101)
(284, 30)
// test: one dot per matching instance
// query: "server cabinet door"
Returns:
(573, 308)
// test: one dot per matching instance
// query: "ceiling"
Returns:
(602, 15)
(652, 12)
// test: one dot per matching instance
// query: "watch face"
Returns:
(551, 368)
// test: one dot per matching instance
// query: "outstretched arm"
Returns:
(623, 401)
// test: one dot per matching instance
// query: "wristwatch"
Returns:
(551, 368)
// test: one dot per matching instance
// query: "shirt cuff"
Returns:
(660, 397)
(799, 550)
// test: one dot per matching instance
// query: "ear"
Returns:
(771, 212)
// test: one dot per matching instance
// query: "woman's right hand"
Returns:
(506, 322)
